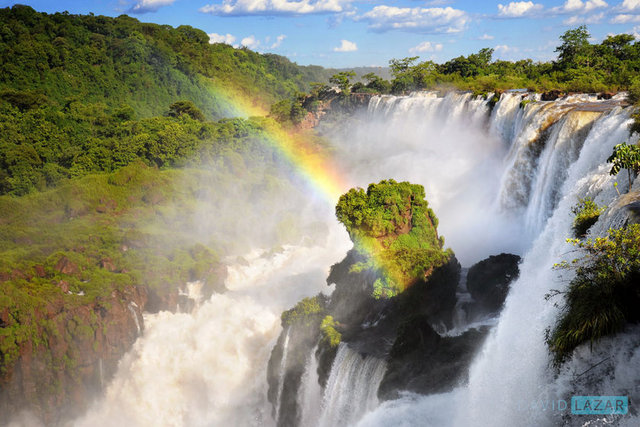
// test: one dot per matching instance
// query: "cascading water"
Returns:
(511, 380)
(500, 180)
(283, 368)
(208, 367)
(311, 392)
(352, 387)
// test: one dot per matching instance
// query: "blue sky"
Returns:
(346, 33)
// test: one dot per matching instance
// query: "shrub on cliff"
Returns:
(307, 311)
(605, 293)
(330, 334)
(625, 156)
(393, 226)
(586, 214)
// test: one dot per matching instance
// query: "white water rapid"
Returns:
(208, 367)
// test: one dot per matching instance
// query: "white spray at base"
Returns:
(511, 378)
(208, 367)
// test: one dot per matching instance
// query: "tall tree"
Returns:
(574, 50)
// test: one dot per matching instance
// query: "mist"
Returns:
(444, 144)
(207, 364)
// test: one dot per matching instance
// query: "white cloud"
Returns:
(504, 51)
(251, 42)
(631, 5)
(221, 38)
(635, 31)
(503, 48)
(426, 47)
(625, 18)
(486, 37)
(580, 19)
(276, 7)
(346, 46)
(278, 41)
(518, 9)
(144, 6)
(579, 6)
(421, 20)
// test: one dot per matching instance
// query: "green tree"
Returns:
(603, 296)
(342, 80)
(377, 83)
(627, 157)
(185, 107)
(574, 49)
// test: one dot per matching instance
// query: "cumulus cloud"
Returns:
(278, 41)
(221, 38)
(579, 6)
(519, 9)
(426, 47)
(251, 42)
(581, 19)
(421, 20)
(486, 37)
(276, 7)
(346, 46)
(630, 5)
(625, 18)
(504, 51)
(144, 6)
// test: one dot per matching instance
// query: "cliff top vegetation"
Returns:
(392, 225)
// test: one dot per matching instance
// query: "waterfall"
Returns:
(283, 369)
(445, 144)
(510, 379)
(132, 309)
(352, 387)
(500, 179)
(208, 366)
(310, 392)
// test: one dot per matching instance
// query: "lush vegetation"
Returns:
(586, 213)
(138, 226)
(117, 165)
(627, 157)
(392, 225)
(581, 66)
(306, 312)
(43, 146)
(605, 293)
(63, 57)
(330, 334)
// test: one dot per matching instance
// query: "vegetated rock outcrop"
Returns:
(71, 354)
(57, 354)
(74, 283)
(395, 293)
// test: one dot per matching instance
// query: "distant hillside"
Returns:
(63, 57)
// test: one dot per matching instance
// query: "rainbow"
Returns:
(315, 167)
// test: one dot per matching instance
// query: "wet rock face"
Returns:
(424, 362)
(288, 360)
(61, 370)
(552, 95)
(488, 281)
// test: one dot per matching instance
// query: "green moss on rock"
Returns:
(393, 227)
